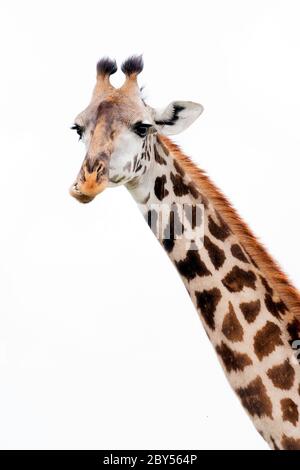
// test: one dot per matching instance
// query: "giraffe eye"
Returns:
(141, 128)
(79, 129)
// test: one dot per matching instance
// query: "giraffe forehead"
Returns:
(119, 109)
(115, 108)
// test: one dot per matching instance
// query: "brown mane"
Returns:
(275, 276)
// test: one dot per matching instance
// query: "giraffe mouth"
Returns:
(77, 194)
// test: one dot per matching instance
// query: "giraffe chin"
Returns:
(85, 197)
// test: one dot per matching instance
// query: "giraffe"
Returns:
(249, 309)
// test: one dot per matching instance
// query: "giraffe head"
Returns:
(115, 126)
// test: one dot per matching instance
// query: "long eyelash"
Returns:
(138, 125)
(141, 123)
(78, 129)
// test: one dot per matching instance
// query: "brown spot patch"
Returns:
(192, 266)
(266, 340)
(255, 399)
(216, 254)
(159, 187)
(204, 201)
(233, 360)
(276, 308)
(250, 310)
(289, 411)
(165, 149)
(207, 302)
(221, 232)
(238, 278)
(134, 162)
(253, 261)
(289, 443)
(266, 285)
(231, 326)
(178, 168)
(193, 190)
(179, 187)
(238, 253)
(158, 158)
(282, 375)
(294, 331)
(275, 446)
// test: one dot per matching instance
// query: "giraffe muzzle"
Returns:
(91, 181)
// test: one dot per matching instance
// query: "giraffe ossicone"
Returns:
(248, 307)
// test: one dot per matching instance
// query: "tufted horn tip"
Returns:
(106, 67)
(133, 65)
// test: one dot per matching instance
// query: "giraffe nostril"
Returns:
(100, 168)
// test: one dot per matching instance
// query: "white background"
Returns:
(100, 346)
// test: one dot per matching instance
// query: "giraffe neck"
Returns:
(248, 324)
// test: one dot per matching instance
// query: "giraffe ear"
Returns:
(177, 116)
